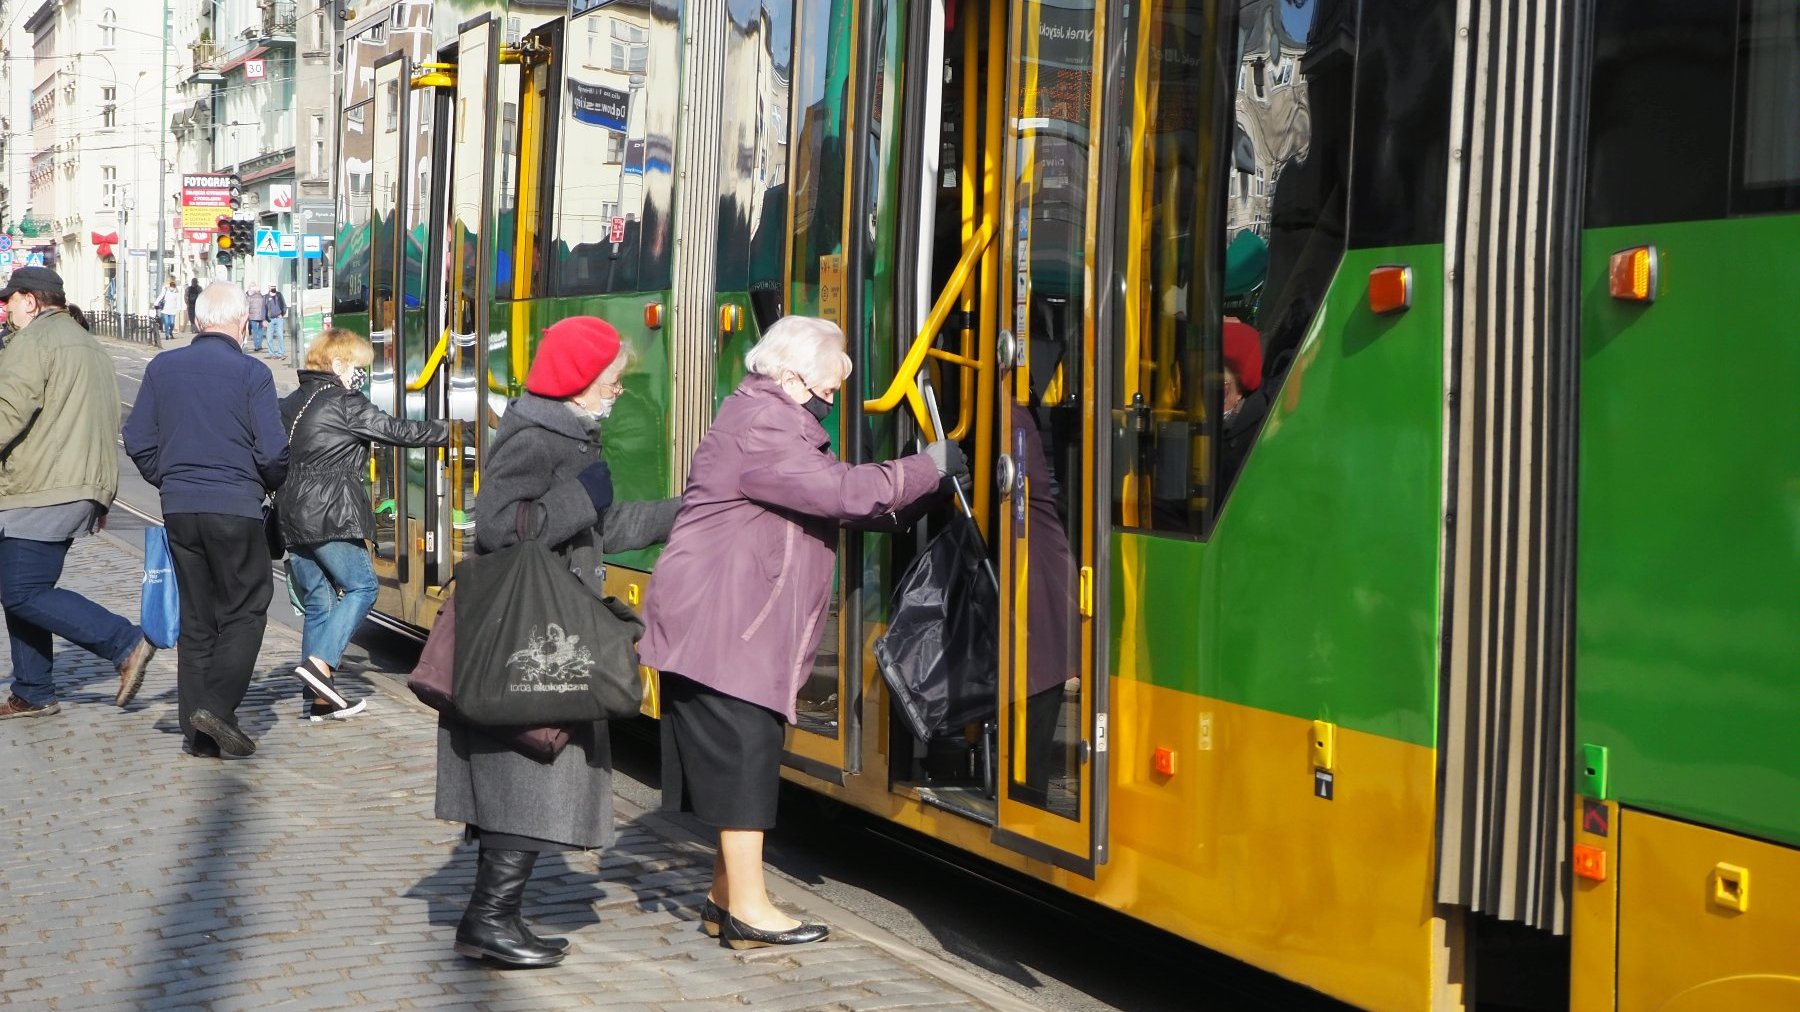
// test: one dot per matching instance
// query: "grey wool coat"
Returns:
(528, 481)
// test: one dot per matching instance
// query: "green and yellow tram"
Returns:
(1383, 415)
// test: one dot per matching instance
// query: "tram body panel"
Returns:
(1689, 555)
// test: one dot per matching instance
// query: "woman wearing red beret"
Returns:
(544, 479)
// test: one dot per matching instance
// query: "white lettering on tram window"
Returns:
(1049, 31)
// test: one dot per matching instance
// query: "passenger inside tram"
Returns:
(1246, 397)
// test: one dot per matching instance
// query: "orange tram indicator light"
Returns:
(1632, 274)
(1390, 289)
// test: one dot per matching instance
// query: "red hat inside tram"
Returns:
(571, 356)
(1243, 354)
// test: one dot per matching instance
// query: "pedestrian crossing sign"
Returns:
(268, 242)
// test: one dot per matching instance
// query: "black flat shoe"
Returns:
(739, 935)
(233, 742)
(711, 915)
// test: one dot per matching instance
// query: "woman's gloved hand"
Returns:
(949, 459)
(597, 479)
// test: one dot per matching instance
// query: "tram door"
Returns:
(466, 275)
(387, 177)
(1052, 736)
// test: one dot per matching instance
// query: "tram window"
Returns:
(350, 250)
(616, 137)
(752, 238)
(1660, 116)
(1767, 144)
(1400, 159)
(1225, 279)
(821, 98)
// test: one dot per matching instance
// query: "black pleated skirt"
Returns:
(721, 756)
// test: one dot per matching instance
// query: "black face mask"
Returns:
(818, 407)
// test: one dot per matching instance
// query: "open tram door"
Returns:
(1052, 714)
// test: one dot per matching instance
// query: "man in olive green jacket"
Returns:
(59, 471)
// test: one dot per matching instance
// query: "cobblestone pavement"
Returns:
(313, 875)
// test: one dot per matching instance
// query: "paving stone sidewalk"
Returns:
(313, 875)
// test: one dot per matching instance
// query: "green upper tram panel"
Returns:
(1317, 593)
(1689, 570)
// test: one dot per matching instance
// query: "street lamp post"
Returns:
(162, 154)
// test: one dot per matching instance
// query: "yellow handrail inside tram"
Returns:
(906, 384)
(432, 362)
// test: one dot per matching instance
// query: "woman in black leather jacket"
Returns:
(325, 514)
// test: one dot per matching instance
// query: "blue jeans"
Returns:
(319, 573)
(37, 611)
(256, 334)
(168, 325)
(277, 330)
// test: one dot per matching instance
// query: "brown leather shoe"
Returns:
(16, 707)
(131, 673)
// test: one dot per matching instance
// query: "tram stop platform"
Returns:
(314, 876)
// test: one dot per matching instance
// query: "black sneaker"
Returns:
(320, 711)
(316, 674)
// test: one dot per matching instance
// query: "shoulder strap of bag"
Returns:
(298, 415)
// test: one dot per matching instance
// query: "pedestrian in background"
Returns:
(258, 311)
(193, 292)
(543, 479)
(732, 630)
(168, 301)
(324, 505)
(59, 471)
(206, 431)
(275, 310)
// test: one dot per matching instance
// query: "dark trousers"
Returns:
(222, 571)
(37, 611)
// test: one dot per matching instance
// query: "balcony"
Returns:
(206, 57)
(280, 20)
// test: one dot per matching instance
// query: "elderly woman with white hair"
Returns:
(737, 601)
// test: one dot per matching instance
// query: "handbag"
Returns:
(538, 647)
(271, 512)
(431, 681)
(159, 606)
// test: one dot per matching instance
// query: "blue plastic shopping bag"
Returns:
(160, 611)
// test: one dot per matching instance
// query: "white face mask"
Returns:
(604, 408)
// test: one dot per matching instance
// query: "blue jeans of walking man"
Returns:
(37, 611)
(319, 573)
(256, 335)
(276, 329)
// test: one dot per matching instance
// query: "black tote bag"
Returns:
(940, 652)
(535, 646)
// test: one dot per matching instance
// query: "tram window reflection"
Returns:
(1186, 410)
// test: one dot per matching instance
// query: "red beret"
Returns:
(1243, 353)
(572, 354)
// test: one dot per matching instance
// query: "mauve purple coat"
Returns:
(737, 599)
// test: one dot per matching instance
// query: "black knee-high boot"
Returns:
(491, 928)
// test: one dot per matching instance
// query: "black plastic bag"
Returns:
(535, 646)
(940, 653)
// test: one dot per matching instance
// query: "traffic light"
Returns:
(243, 236)
(237, 193)
(225, 242)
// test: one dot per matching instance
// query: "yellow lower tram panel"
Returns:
(1694, 919)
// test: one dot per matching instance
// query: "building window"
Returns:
(630, 46)
(108, 28)
(109, 186)
(109, 107)
(615, 147)
(318, 145)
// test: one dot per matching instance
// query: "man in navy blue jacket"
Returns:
(206, 431)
